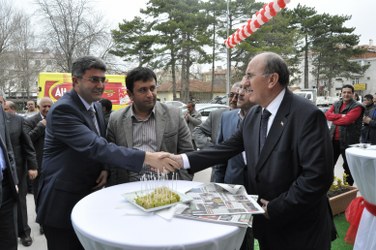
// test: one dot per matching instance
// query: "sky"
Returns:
(362, 12)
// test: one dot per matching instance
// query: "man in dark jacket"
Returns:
(346, 117)
(35, 127)
(8, 187)
(26, 164)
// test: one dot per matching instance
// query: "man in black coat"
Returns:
(35, 127)
(8, 187)
(291, 171)
(26, 164)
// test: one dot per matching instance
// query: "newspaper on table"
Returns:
(221, 203)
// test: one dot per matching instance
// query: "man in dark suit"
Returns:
(8, 188)
(206, 133)
(35, 127)
(233, 171)
(26, 164)
(292, 172)
(75, 152)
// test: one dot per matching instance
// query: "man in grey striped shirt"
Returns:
(147, 124)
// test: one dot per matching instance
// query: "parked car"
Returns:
(177, 104)
(220, 99)
(205, 108)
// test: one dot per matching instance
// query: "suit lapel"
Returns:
(276, 130)
(100, 118)
(160, 120)
(127, 123)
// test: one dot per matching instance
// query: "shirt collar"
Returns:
(274, 105)
(86, 104)
(151, 113)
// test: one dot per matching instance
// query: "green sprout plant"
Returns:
(339, 186)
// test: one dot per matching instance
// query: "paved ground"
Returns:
(39, 241)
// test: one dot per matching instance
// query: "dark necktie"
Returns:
(264, 127)
(94, 118)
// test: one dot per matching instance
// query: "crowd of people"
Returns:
(275, 143)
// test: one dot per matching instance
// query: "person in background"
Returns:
(192, 118)
(148, 125)
(235, 170)
(356, 97)
(76, 152)
(346, 117)
(374, 99)
(8, 187)
(26, 165)
(289, 160)
(370, 121)
(31, 110)
(107, 109)
(35, 127)
(206, 133)
(368, 104)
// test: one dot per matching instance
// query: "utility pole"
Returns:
(228, 73)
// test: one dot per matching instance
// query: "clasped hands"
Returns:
(163, 161)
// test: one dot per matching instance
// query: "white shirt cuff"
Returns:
(186, 164)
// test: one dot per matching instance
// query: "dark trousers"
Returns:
(61, 239)
(8, 217)
(248, 242)
(337, 151)
(23, 227)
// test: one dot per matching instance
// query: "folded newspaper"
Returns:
(221, 203)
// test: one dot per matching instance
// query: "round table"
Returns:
(362, 164)
(102, 220)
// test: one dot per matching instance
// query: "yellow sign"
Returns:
(360, 86)
(55, 85)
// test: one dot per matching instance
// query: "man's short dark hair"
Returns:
(84, 63)
(107, 104)
(368, 97)
(275, 64)
(139, 74)
(348, 86)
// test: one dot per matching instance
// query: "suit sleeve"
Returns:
(184, 136)
(216, 154)
(34, 131)
(82, 139)
(202, 133)
(28, 149)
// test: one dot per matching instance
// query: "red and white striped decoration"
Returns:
(267, 12)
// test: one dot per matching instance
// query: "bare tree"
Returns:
(25, 56)
(72, 29)
(9, 20)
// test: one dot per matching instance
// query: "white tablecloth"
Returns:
(102, 220)
(362, 164)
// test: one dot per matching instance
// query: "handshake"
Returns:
(163, 161)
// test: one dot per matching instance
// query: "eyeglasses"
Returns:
(96, 79)
(246, 90)
(232, 95)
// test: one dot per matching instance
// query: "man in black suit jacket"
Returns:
(8, 187)
(75, 152)
(292, 172)
(26, 164)
(35, 127)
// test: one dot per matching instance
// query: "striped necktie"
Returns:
(94, 118)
